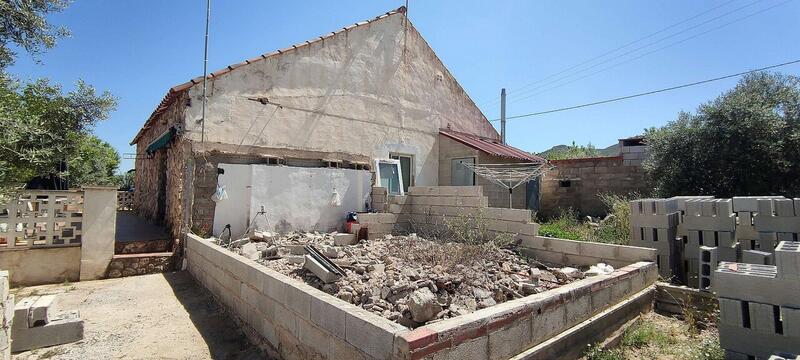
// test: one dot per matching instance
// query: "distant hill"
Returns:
(612, 150)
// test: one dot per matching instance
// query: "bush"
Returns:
(564, 226)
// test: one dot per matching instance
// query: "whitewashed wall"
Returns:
(294, 198)
(374, 89)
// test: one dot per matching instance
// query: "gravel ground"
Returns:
(159, 316)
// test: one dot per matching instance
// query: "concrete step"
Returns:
(123, 265)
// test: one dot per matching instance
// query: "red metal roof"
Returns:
(491, 146)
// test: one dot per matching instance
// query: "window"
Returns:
(565, 183)
(461, 175)
(389, 176)
(406, 168)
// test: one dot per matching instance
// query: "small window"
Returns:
(565, 183)
(390, 176)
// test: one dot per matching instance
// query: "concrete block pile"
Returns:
(742, 229)
(760, 306)
(37, 324)
(6, 316)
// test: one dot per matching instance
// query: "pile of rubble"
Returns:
(407, 279)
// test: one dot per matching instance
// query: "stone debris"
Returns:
(411, 280)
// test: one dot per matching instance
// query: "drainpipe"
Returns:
(503, 115)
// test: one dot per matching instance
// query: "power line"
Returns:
(522, 95)
(621, 47)
(649, 92)
(556, 86)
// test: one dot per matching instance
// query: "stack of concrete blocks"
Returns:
(781, 216)
(378, 225)
(633, 155)
(380, 199)
(710, 223)
(6, 316)
(654, 224)
(760, 305)
(747, 209)
(37, 324)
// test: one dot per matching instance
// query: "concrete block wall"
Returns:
(286, 317)
(6, 316)
(429, 207)
(583, 253)
(731, 225)
(759, 305)
(504, 330)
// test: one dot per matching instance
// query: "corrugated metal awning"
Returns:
(491, 146)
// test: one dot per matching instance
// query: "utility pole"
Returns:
(503, 115)
(205, 76)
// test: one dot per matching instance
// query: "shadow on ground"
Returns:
(224, 338)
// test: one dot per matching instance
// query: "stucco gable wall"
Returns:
(351, 93)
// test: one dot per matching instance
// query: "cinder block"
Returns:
(730, 312)
(708, 264)
(787, 259)
(791, 321)
(344, 239)
(321, 272)
(21, 311)
(65, 328)
(326, 313)
(370, 333)
(757, 257)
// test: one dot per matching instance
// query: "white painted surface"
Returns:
(372, 90)
(97, 241)
(235, 210)
(294, 198)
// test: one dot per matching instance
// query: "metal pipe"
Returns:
(205, 76)
(503, 115)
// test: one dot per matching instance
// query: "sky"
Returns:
(547, 54)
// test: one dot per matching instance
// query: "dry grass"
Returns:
(660, 337)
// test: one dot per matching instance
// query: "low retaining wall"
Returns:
(583, 253)
(292, 320)
(29, 267)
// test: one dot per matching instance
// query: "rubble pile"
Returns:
(408, 279)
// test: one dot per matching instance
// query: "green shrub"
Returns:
(598, 353)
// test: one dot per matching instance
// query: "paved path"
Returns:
(160, 316)
(133, 228)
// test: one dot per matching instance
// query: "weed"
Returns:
(643, 333)
(598, 353)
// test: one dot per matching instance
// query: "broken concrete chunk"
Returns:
(295, 259)
(344, 239)
(297, 249)
(423, 305)
(250, 251)
(330, 252)
(320, 271)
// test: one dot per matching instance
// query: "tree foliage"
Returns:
(571, 152)
(94, 163)
(43, 126)
(23, 23)
(745, 142)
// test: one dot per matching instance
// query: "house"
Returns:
(304, 132)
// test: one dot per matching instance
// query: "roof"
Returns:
(177, 90)
(491, 146)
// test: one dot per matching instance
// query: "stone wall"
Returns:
(6, 316)
(159, 179)
(141, 264)
(450, 149)
(576, 184)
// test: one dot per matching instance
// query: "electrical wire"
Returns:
(638, 57)
(619, 48)
(649, 92)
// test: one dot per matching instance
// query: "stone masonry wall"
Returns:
(166, 168)
(576, 184)
(6, 316)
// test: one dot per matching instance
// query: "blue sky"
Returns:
(139, 49)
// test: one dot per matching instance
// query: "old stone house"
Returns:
(290, 128)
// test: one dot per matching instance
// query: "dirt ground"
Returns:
(159, 316)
